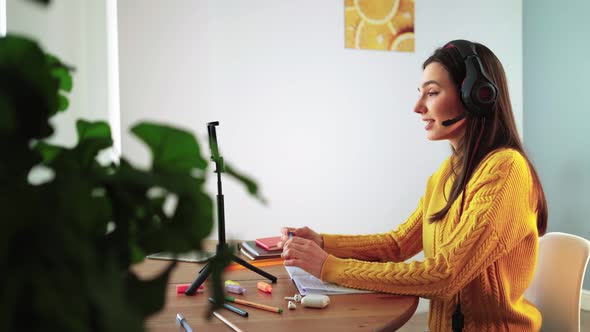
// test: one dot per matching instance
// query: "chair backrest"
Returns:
(557, 285)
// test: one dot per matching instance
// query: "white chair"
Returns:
(557, 285)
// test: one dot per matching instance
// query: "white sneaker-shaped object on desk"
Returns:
(315, 301)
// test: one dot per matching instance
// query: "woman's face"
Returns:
(439, 101)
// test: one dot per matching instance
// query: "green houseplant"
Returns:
(69, 237)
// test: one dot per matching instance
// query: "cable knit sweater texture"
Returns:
(488, 254)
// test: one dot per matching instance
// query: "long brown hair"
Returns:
(499, 129)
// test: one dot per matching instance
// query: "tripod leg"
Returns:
(203, 274)
(255, 269)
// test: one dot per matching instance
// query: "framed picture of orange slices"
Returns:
(386, 25)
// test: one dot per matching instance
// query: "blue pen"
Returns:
(180, 321)
(230, 307)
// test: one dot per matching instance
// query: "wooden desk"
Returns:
(354, 312)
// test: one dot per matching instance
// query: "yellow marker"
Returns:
(231, 282)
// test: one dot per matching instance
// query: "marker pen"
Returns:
(235, 289)
(254, 304)
(230, 307)
(231, 282)
(181, 322)
(263, 286)
(181, 288)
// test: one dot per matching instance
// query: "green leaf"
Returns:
(137, 255)
(65, 78)
(15, 168)
(129, 177)
(92, 138)
(113, 306)
(63, 103)
(251, 186)
(152, 230)
(7, 117)
(173, 150)
(88, 130)
(87, 211)
(25, 80)
(48, 151)
(61, 72)
(192, 222)
(148, 296)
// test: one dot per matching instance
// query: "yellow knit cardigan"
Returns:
(488, 254)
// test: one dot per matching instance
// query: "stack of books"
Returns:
(261, 248)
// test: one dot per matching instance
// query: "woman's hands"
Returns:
(303, 250)
(304, 232)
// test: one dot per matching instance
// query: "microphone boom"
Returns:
(454, 120)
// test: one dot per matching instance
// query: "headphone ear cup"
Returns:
(484, 94)
(478, 93)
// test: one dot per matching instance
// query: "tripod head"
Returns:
(214, 147)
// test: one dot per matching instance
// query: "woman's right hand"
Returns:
(303, 232)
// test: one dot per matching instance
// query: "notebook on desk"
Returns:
(308, 284)
(254, 252)
(268, 243)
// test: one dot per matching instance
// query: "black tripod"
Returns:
(219, 168)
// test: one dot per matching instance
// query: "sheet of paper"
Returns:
(308, 284)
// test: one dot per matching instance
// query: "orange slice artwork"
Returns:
(379, 25)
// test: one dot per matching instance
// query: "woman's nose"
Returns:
(419, 107)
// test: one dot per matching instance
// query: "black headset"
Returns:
(478, 92)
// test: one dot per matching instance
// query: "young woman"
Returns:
(478, 221)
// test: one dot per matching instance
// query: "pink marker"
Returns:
(181, 288)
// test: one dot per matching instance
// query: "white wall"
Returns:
(2, 18)
(75, 31)
(328, 132)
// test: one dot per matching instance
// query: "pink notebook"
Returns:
(268, 243)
